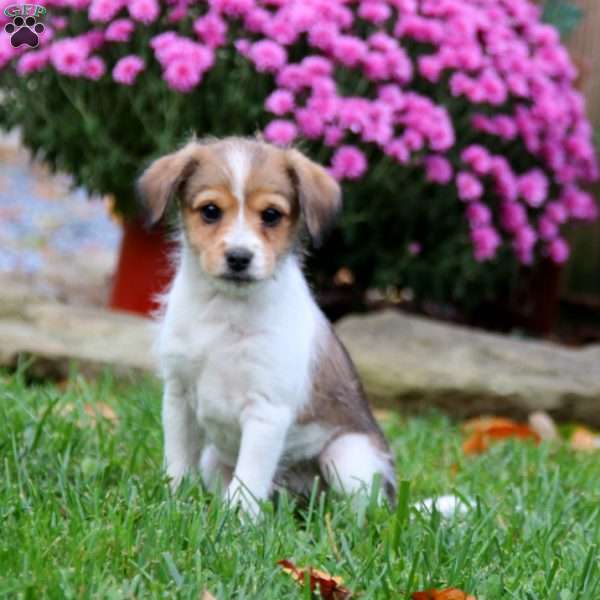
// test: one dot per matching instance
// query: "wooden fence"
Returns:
(583, 273)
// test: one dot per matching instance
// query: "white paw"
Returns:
(237, 495)
(176, 475)
(448, 505)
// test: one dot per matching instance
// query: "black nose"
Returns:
(238, 259)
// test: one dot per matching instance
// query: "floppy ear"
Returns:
(162, 180)
(318, 193)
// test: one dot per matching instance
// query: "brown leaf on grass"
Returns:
(585, 440)
(446, 594)
(486, 430)
(100, 409)
(93, 411)
(383, 415)
(206, 595)
(328, 586)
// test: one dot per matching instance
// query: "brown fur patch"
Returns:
(318, 192)
(338, 398)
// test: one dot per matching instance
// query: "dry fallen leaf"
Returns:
(206, 595)
(585, 440)
(93, 411)
(383, 415)
(328, 586)
(485, 430)
(344, 276)
(447, 594)
(103, 410)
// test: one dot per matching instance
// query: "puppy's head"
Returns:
(243, 203)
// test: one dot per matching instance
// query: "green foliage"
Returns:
(86, 513)
(565, 15)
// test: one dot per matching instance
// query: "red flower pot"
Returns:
(144, 268)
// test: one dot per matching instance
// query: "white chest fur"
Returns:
(232, 352)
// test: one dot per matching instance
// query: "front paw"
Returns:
(238, 495)
(176, 475)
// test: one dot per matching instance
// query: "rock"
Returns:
(55, 335)
(414, 363)
(405, 362)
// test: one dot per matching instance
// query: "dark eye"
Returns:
(270, 217)
(211, 213)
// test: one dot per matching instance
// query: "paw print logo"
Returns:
(24, 31)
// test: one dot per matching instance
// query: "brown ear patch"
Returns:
(318, 192)
(163, 178)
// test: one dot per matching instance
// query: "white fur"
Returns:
(237, 362)
(240, 235)
(237, 370)
(350, 461)
(238, 162)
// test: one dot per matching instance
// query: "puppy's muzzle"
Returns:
(238, 264)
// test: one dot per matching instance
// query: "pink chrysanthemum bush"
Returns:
(454, 125)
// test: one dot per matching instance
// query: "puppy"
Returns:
(258, 391)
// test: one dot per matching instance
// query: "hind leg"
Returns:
(215, 473)
(351, 461)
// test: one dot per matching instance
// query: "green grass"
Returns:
(85, 512)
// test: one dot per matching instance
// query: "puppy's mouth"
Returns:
(238, 278)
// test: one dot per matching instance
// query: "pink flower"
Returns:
(32, 61)
(505, 127)
(268, 56)
(376, 66)
(431, 67)
(144, 11)
(547, 228)
(182, 75)
(383, 42)
(119, 30)
(281, 132)
(420, 29)
(349, 50)
(94, 68)
(310, 123)
(317, 65)
(163, 40)
(438, 169)
(579, 204)
(256, 20)
(533, 187)
(211, 29)
(59, 23)
(558, 250)
(524, 243)
(374, 11)
(478, 214)
(233, 8)
(200, 57)
(104, 10)
(323, 36)
(485, 242)
(68, 56)
(478, 158)
(333, 136)
(397, 150)
(281, 30)
(348, 162)
(280, 102)
(127, 69)
(512, 216)
(414, 248)
(557, 212)
(469, 187)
